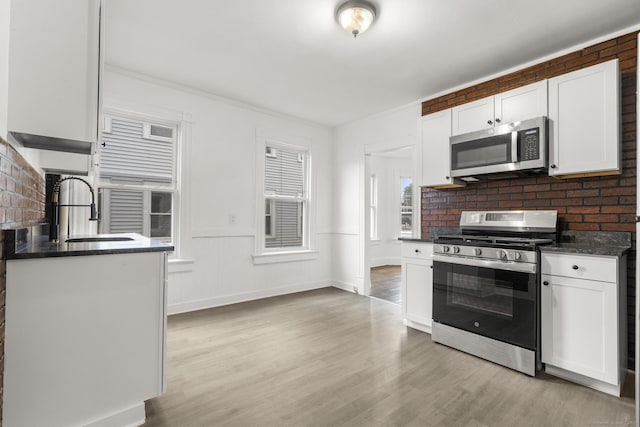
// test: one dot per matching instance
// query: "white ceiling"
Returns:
(291, 56)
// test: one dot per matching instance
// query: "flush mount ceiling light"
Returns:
(356, 16)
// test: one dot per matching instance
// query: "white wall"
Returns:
(4, 65)
(218, 183)
(393, 129)
(388, 170)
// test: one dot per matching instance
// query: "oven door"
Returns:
(487, 300)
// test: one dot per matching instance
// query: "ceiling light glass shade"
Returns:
(356, 16)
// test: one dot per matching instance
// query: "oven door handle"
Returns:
(487, 263)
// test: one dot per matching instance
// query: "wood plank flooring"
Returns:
(332, 358)
(385, 283)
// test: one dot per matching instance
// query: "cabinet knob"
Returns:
(552, 166)
(498, 120)
(545, 283)
(447, 177)
(431, 267)
(489, 122)
(417, 251)
(575, 267)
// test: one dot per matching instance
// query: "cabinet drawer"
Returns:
(417, 250)
(601, 268)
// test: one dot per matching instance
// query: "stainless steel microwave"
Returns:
(517, 147)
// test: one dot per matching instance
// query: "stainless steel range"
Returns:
(486, 286)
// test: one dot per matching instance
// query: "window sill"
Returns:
(180, 265)
(291, 256)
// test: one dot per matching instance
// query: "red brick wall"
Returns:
(22, 195)
(605, 203)
(601, 203)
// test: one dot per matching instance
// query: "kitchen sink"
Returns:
(98, 239)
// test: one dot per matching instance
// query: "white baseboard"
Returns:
(379, 262)
(345, 286)
(415, 325)
(130, 417)
(201, 304)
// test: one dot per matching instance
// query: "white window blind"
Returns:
(284, 188)
(126, 155)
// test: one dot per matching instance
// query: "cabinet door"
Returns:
(54, 68)
(579, 327)
(523, 103)
(417, 290)
(584, 121)
(434, 157)
(473, 116)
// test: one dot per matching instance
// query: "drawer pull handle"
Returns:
(575, 267)
(545, 283)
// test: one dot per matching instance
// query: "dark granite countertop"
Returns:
(606, 243)
(586, 249)
(32, 243)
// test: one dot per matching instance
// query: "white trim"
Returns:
(379, 262)
(288, 256)
(415, 325)
(294, 143)
(201, 304)
(346, 286)
(215, 232)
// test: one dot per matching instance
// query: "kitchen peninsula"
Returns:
(85, 328)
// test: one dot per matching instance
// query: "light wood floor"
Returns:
(332, 358)
(385, 283)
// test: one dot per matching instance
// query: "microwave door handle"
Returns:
(514, 147)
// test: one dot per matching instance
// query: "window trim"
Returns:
(373, 208)
(181, 135)
(410, 232)
(307, 251)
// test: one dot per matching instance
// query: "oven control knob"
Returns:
(501, 254)
(456, 250)
(446, 249)
(477, 251)
(516, 256)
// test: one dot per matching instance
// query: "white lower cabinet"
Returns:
(417, 285)
(85, 339)
(583, 319)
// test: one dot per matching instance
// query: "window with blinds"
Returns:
(137, 184)
(285, 196)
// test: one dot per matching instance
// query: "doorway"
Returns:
(390, 215)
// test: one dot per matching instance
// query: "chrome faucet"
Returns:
(55, 208)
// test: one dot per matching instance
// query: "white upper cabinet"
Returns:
(433, 155)
(54, 70)
(523, 103)
(584, 111)
(473, 116)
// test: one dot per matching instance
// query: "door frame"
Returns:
(369, 150)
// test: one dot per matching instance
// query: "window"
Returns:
(137, 178)
(406, 206)
(285, 198)
(373, 207)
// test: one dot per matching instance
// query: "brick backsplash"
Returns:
(598, 203)
(22, 197)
